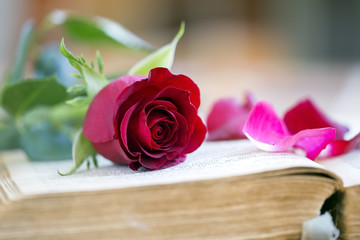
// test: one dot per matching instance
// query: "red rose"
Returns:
(150, 122)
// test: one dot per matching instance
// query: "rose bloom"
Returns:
(150, 122)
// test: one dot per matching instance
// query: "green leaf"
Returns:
(76, 75)
(41, 141)
(94, 81)
(99, 62)
(81, 101)
(9, 136)
(82, 149)
(163, 57)
(95, 29)
(75, 62)
(20, 97)
(66, 117)
(62, 118)
(23, 47)
(77, 90)
(95, 161)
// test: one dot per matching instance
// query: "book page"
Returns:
(346, 166)
(211, 160)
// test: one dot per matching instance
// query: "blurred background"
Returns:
(280, 50)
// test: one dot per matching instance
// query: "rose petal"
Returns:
(157, 114)
(197, 137)
(269, 133)
(174, 162)
(164, 132)
(112, 151)
(127, 140)
(134, 166)
(264, 126)
(339, 147)
(155, 105)
(179, 98)
(305, 115)
(151, 163)
(139, 128)
(227, 118)
(145, 153)
(134, 94)
(313, 141)
(98, 122)
(181, 137)
(162, 77)
(169, 125)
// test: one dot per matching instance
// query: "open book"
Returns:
(347, 167)
(224, 190)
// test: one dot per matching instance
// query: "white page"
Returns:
(346, 166)
(211, 160)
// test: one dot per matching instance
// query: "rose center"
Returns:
(162, 125)
(159, 131)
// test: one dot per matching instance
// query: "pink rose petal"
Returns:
(112, 150)
(269, 133)
(163, 78)
(174, 162)
(197, 137)
(305, 115)
(227, 118)
(124, 133)
(98, 122)
(339, 147)
(313, 141)
(170, 163)
(149, 163)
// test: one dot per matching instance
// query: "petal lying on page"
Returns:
(269, 133)
(339, 147)
(227, 118)
(305, 115)
(313, 141)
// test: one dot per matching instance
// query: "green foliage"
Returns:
(9, 137)
(46, 133)
(76, 91)
(22, 96)
(94, 81)
(64, 116)
(81, 101)
(163, 57)
(82, 150)
(99, 62)
(23, 48)
(96, 29)
(42, 141)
